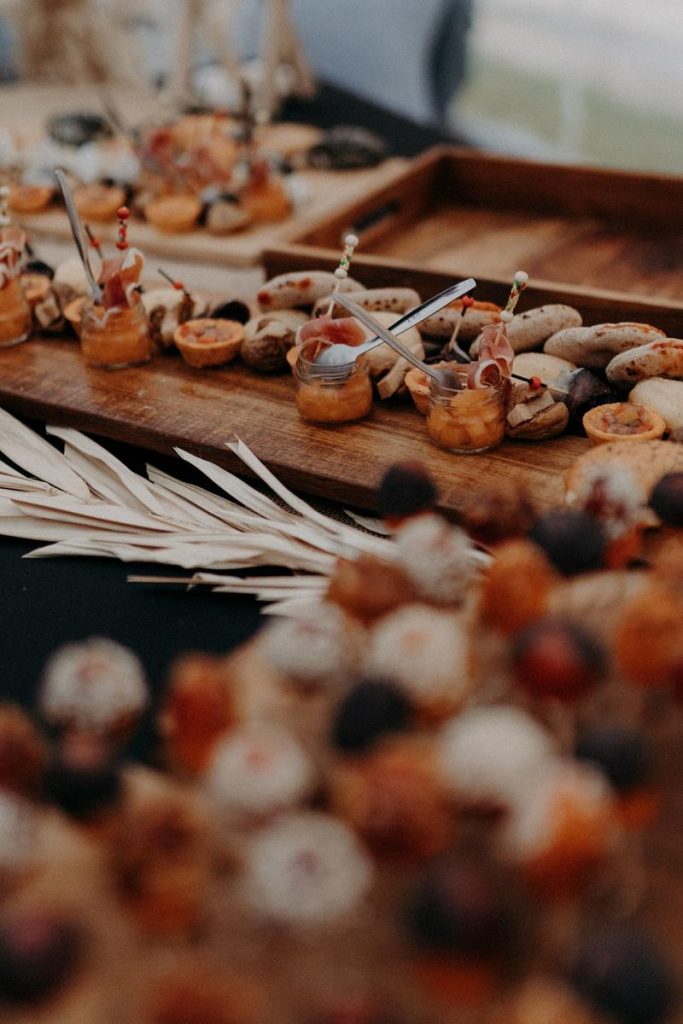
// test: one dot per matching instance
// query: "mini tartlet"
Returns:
(174, 214)
(99, 202)
(623, 421)
(207, 342)
(30, 198)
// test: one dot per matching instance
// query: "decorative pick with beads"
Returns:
(518, 285)
(95, 242)
(5, 220)
(123, 214)
(342, 271)
(178, 285)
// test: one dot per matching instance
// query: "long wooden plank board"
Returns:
(166, 404)
(326, 193)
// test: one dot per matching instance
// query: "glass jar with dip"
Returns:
(15, 314)
(331, 394)
(116, 337)
(466, 420)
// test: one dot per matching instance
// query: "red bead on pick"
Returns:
(123, 213)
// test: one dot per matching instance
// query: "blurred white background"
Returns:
(593, 80)
(599, 81)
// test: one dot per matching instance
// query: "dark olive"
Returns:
(406, 489)
(667, 499)
(584, 392)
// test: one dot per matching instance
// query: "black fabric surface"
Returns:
(48, 602)
(332, 106)
(45, 603)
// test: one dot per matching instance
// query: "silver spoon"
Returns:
(339, 355)
(385, 335)
(77, 232)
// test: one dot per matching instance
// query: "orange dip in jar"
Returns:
(331, 394)
(466, 420)
(115, 337)
(15, 314)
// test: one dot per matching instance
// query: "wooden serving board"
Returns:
(25, 109)
(469, 213)
(327, 192)
(165, 404)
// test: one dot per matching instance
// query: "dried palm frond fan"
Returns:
(73, 41)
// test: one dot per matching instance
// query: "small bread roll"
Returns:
(662, 395)
(550, 369)
(529, 330)
(663, 358)
(595, 346)
(375, 300)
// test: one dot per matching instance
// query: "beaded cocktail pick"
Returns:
(342, 271)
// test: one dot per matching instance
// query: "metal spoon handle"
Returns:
(77, 232)
(425, 309)
(381, 331)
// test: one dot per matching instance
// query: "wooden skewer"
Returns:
(94, 242)
(178, 285)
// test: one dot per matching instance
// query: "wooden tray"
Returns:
(468, 213)
(327, 192)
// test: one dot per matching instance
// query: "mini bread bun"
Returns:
(663, 358)
(529, 330)
(662, 395)
(549, 369)
(595, 346)
(443, 323)
(375, 300)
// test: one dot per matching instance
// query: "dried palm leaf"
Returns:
(86, 502)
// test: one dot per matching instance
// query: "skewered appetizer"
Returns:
(15, 312)
(114, 331)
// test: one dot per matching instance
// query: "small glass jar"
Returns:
(116, 337)
(15, 314)
(466, 420)
(331, 394)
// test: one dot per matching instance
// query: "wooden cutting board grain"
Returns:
(165, 404)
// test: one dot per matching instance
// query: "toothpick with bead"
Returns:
(178, 285)
(123, 214)
(5, 220)
(94, 241)
(452, 346)
(342, 271)
(518, 285)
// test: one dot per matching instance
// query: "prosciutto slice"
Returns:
(12, 246)
(120, 277)
(495, 358)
